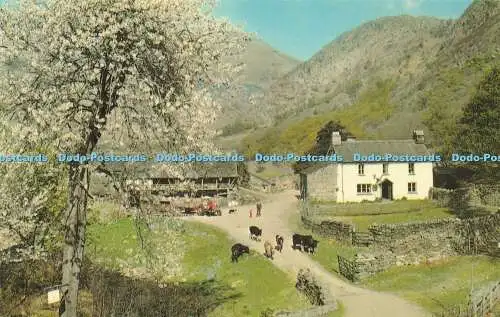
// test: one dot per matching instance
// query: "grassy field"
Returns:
(268, 170)
(374, 208)
(433, 286)
(232, 142)
(255, 282)
(268, 173)
(328, 249)
(362, 223)
(438, 285)
(362, 215)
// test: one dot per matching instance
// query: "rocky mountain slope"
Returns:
(263, 66)
(334, 76)
(384, 79)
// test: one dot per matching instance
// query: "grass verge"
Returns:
(339, 312)
(434, 286)
(328, 249)
(259, 285)
(374, 208)
(438, 285)
(362, 223)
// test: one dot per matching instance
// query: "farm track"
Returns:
(358, 302)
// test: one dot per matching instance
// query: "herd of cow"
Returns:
(301, 242)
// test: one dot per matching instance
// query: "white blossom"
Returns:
(160, 58)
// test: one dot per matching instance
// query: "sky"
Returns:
(300, 28)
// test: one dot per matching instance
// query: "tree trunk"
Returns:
(75, 219)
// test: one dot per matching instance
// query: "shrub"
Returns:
(267, 313)
(237, 127)
(307, 284)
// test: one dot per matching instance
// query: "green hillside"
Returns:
(383, 80)
(373, 106)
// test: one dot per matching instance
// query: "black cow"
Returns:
(255, 233)
(237, 250)
(279, 242)
(297, 241)
(304, 243)
(312, 246)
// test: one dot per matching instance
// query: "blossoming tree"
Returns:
(31, 197)
(87, 69)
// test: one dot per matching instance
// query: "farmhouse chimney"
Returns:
(418, 136)
(336, 138)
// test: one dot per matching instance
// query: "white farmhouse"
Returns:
(354, 181)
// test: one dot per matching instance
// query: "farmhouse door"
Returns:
(387, 189)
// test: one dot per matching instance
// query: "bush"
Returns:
(307, 284)
(267, 313)
(116, 295)
(237, 127)
(104, 212)
(22, 280)
(110, 293)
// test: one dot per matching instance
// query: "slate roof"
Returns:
(154, 170)
(376, 147)
(380, 147)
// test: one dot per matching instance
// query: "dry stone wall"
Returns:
(470, 200)
(369, 263)
(480, 235)
(427, 242)
(387, 233)
(419, 242)
(333, 229)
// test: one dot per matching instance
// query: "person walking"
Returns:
(259, 209)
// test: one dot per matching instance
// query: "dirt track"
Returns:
(358, 302)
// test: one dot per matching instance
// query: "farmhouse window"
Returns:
(364, 188)
(412, 187)
(385, 168)
(411, 168)
(361, 169)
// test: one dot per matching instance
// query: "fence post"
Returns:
(305, 208)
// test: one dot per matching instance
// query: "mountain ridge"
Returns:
(263, 65)
(425, 59)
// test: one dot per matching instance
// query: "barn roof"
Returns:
(201, 170)
(367, 147)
